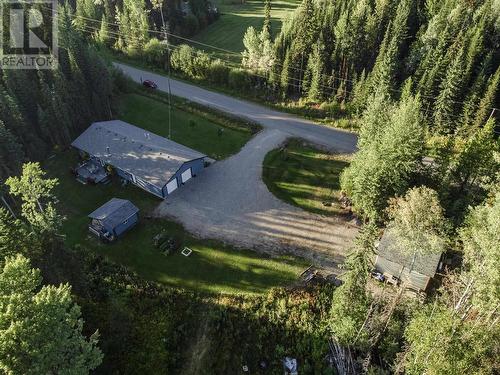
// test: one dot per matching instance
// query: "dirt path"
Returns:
(229, 201)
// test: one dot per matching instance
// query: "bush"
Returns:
(201, 65)
(331, 109)
(218, 73)
(155, 52)
(182, 60)
(238, 79)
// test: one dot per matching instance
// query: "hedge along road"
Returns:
(333, 139)
(229, 201)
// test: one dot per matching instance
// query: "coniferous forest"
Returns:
(416, 80)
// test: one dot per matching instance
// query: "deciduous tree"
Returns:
(36, 194)
(417, 222)
(41, 326)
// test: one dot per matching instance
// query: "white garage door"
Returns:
(186, 175)
(171, 186)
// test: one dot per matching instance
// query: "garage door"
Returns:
(171, 186)
(186, 175)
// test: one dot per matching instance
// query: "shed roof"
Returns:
(114, 212)
(425, 264)
(148, 156)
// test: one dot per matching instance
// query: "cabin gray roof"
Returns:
(148, 156)
(114, 212)
(425, 264)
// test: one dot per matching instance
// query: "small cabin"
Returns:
(113, 219)
(415, 271)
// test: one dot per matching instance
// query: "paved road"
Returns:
(229, 201)
(293, 126)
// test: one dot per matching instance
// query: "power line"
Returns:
(210, 46)
(116, 35)
(300, 82)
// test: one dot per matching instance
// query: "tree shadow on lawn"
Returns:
(149, 328)
(305, 177)
(212, 267)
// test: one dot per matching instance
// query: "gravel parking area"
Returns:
(229, 202)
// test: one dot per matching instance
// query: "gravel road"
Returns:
(293, 126)
(229, 201)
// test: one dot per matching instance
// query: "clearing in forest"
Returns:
(236, 17)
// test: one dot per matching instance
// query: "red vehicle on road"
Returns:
(150, 84)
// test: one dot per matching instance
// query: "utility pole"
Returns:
(165, 30)
(158, 4)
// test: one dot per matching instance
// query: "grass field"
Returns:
(305, 177)
(211, 268)
(189, 129)
(227, 32)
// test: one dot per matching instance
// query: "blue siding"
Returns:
(139, 182)
(125, 175)
(126, 225)
(196, 166)
(148, 187)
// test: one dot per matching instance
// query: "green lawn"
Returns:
(211, 268)
(305, 177)
(189, 129)
(227, 32)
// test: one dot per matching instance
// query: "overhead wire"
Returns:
(299, 81)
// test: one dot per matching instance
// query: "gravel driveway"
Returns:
(229, 201)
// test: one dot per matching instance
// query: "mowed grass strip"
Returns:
(228, 31)
(211, 268)
(192, 130)
(305, 177)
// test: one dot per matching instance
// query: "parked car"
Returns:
(150, 84)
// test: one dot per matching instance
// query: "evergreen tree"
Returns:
(103, 36)
(11, 153)
(351, 300)
(384, 166)
(285, 74)
(315, 67)
(132, 26)
(267, 18)
(488, 101)
(386, 67)
(446, 115)
(480, 237)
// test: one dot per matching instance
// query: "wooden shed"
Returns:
(113, 219)
(414, 270)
